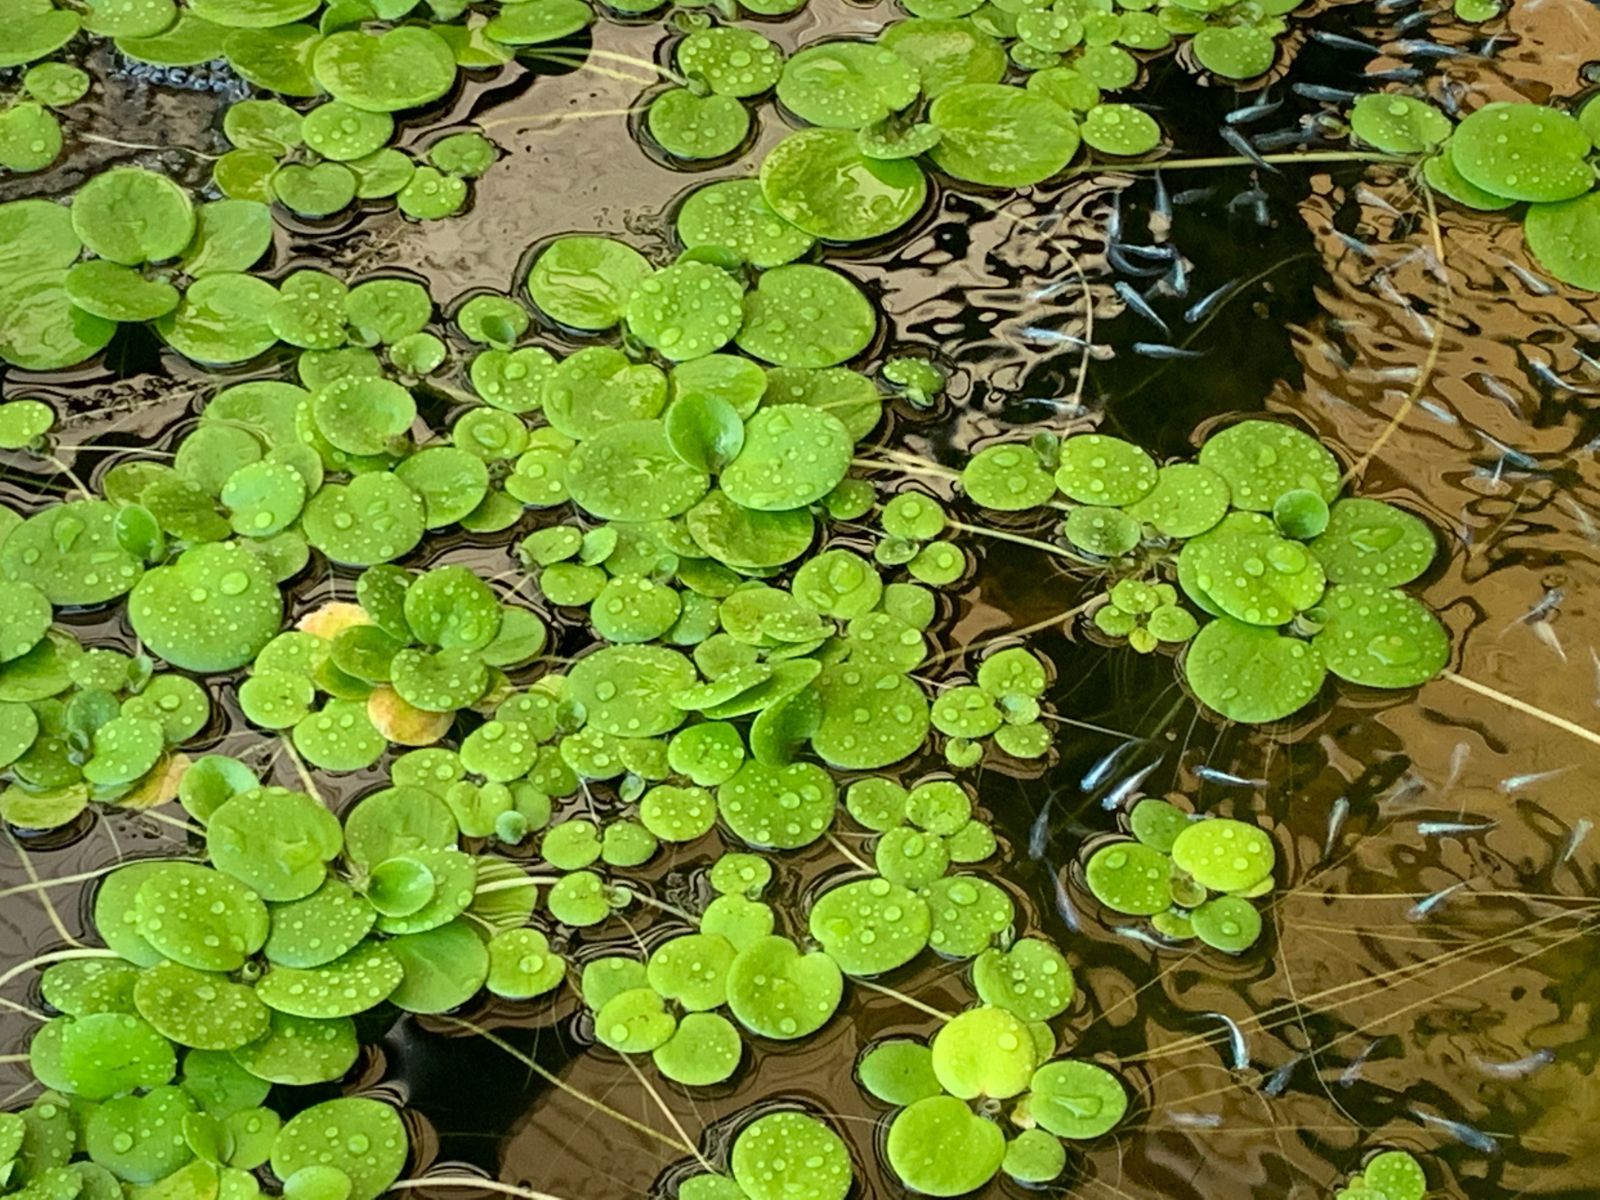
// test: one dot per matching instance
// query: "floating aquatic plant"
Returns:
(1499, 156)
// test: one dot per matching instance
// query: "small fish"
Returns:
(1039, 831)
(1253, 112)
(1438, 412)
(1518, 783)
(1064, 906)
(1546, 633)
(1119, 260)
(1283, 139)
(1051, 290)
(1532, 282)
(1422, 48)
(1157, 350)
(1490, 45)
(1207, 304)
(1104, 766)
(1502, 393)
(1152, 253)
(1512, 455)
(1397, 75)
(1458, 760)
(1236, 1042)
(1425, 906)
(1337, 816)
(1140, 305)
(1450, 828)
(1249, 196)
(1407, 786)
(1585, 521)
(1360, 247)
(1050, 337)
(1243, 145)
(1389, 6)
(1519, 1069)
(1545, 372)
(1351, 1073)
(1339, 42)
(1128, 787)
(1162, 208)
(1580, 830)
(1407, 24)
(1278, 1082)
(1176, 280)
(1212, 775)
(1197, 195)
(1543, 607)
(1318, 91)
(1450, 96)
(1195, 1120)
(1114, 219)
(1134, 934)
(1331, 352)
(1466, 1134)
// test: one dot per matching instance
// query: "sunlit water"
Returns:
(1460, 1027)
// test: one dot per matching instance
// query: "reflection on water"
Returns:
(1428, 974)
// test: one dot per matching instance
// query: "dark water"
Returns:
(1465, 1032)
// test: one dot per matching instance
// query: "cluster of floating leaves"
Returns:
(1500, 156)
(30, 133)
(756, 610)
(1387, 1175)
(1297, 582)
(1191, 878)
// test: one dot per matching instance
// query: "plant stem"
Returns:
(471, 1181)
(560, 1084)
(1435, 346)
(1522, 706)
(1055, 618)
(33, 878)
(1018, 539)
(848, 853)
(55, 956)
(652, 902)
(904, 999)
(1240, 160)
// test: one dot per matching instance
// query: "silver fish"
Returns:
(1532, 282)
(1204, 306)
(1339, 42)
(1195, 1120)
(1517, 1069)
(1140, 305)
(1318, 91)
(1466, 1134)
(1157, 350)
(1064, 906)
(1236, 1043)
(1212, 775)
(1242, 144)
(1517, 783)
(1449, 828)
(1580, 830)
(1426, 49)
(1425, 906)
(1551, 600)
(1352, 1072)
(1253, 112)
(1336, 820)
(1278, 1082)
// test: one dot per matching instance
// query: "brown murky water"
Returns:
(1464, 1029)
